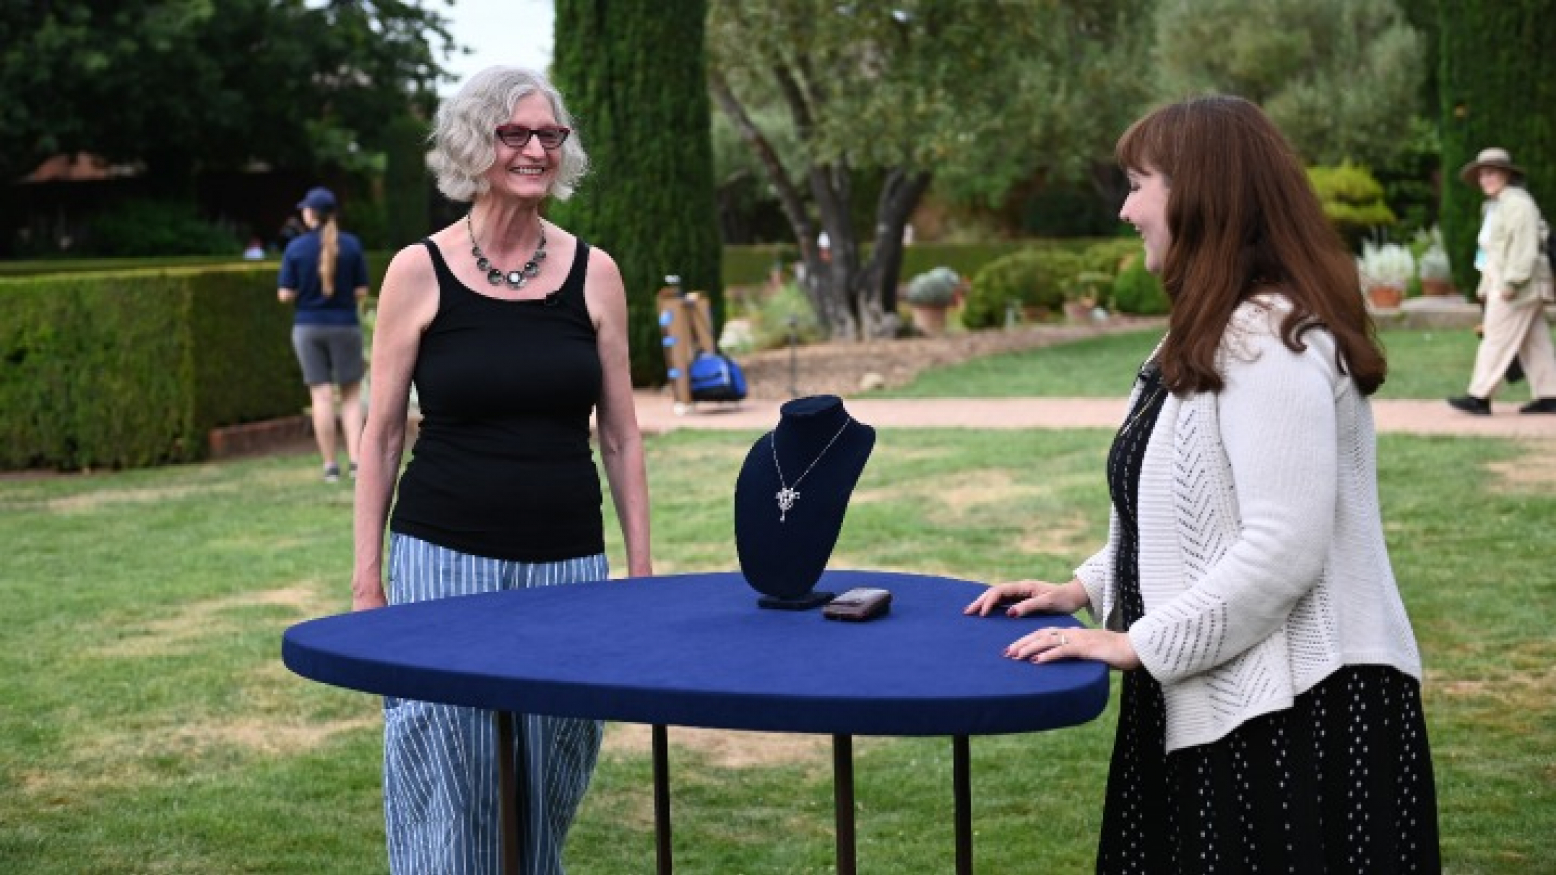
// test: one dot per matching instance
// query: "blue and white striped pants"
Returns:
(440, 764)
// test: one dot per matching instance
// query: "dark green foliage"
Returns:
(749, 265)
(635, 81)
(134, 369)
(1030, 280)
(1497, 83)
(154, 227)
(1411, 180)
(218, 83)
(1138, 291)
(1068, 211)
(405, 182)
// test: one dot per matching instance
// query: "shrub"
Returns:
(1352, 199)
(934, 288)
(1431, 258)
(151, 227)
(134, 369)
(1110, 256)
(1138, 291)
(770, 319)
(1387, 264)
(1033, 279)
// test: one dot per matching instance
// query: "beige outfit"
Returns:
(1510, 238)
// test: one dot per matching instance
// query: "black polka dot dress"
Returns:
(1339, 783)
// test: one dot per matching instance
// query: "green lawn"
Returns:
(1422, 364)
(148, 726)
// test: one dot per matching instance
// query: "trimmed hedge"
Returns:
(134, 369)
(749, 265)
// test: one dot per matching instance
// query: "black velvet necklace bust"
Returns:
(784, 546)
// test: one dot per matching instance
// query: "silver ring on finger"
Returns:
(1063, 640)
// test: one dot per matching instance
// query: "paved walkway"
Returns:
(656, 415)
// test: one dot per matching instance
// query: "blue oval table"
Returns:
(695, 650)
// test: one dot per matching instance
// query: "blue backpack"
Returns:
(715, 377)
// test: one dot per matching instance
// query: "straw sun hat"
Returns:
(1493, 157)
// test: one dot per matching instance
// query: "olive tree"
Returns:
(974, 96)
(1341, 78)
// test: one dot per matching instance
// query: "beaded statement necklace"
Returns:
(788, 495)
(516, 279)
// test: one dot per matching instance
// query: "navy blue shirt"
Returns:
(300, 271)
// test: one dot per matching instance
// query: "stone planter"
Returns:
(1436, 288)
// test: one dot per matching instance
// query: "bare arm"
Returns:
(406, 304)
(621, 443)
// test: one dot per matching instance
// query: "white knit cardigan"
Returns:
(1263, 567)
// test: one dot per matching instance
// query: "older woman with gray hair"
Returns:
(1515, 284)
(514, 333)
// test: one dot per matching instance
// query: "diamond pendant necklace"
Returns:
(788, 495)
(495, 275)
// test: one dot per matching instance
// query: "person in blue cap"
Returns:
(324, 273)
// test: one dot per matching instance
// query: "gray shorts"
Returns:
(329, 353)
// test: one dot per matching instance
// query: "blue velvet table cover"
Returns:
(695, 650)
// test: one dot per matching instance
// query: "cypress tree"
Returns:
(634, 76)
(407, 190)
(1497, 84)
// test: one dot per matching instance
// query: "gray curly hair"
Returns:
(464, 147)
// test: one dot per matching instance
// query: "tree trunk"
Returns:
(877, 282)
(853, 297)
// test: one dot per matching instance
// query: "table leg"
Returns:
(843, 801)
(507, 789)
(961, 782)
(662, 799)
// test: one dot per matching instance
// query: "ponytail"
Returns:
(329, 248)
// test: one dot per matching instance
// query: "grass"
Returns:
(148, 726)
(1423, 363)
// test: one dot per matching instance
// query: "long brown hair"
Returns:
(1243, 216)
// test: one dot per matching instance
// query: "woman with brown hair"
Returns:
(1271, 714)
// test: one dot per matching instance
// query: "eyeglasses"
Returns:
(517, 136)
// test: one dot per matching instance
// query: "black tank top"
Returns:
(502, 466)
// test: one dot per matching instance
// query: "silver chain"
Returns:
(788, 495)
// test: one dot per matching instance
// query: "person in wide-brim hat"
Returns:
(1515, 283)
(1492, 157)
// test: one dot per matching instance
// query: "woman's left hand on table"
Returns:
(1047, 645)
